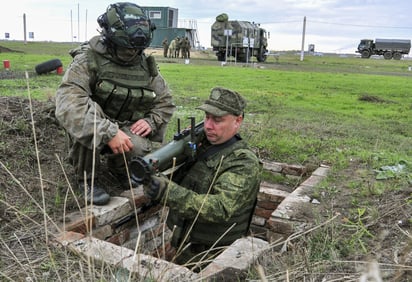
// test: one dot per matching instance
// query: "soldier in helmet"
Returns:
(184, 45)
(165, 44)
(211, 200)
(188, 47)
(112, 99)
(177, 48)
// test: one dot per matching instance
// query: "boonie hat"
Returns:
(223, 101)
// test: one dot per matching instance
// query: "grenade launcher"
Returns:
(170, 156)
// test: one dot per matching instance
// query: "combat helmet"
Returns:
(126, 25)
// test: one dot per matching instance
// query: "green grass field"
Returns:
(320, 109)
(350, 113)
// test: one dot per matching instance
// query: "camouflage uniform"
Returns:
(188, 47)
(224, 181)
(185, 45)
(98, 96)
(177, 49)
(165, 44)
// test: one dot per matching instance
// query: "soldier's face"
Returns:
(220, 129)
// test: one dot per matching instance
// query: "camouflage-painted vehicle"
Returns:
(389, 48)
(242, 38)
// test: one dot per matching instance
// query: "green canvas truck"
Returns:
(238, 39)
(388, 48)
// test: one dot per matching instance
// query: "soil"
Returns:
(33, 167)
(30, 161)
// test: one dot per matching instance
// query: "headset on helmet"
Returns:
(127, 25)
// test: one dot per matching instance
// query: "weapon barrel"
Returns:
(175, 153)
(159, 160)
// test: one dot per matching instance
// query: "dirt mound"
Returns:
(30, 152)
(18, 149)
(5, 50)
(33, 166)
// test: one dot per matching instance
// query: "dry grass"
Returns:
(35, 193)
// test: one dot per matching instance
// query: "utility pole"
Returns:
(85, 35)
(24, 28)
(71, 24)
(302, 51)
(227, 33)
(78, 22)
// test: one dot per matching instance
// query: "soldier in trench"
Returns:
(212, 199)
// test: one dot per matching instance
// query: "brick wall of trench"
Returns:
(129, 232)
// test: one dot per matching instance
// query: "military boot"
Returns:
(125, 181)
(100, 197)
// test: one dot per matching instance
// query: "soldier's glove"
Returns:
(156, 187)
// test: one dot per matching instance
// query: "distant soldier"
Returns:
(177, 49)
(165, 44)
(188, 46)
(172, 48)
(183, 48)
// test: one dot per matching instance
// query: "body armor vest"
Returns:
(199, 180)
(122, 91)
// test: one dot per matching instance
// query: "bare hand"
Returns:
(141, 128)
(120, 143)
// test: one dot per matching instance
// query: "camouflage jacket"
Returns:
(216, 192)
(80, 115)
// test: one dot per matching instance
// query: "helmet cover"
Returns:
(126, 25)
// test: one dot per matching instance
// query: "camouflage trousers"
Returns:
(86, 162)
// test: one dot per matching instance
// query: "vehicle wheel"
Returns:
(387, 55)
(365, 54)
(262, 56)
(48, 66)
(397, 56)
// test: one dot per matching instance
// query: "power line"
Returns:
(341, 24)
(361, 25)
(282, 22)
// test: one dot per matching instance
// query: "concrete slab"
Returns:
(118, 207)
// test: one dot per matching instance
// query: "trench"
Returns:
(131, 226)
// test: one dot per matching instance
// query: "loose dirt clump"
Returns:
(373, 99)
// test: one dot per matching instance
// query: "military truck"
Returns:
(389, 48)
(239, 39)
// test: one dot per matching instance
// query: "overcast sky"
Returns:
(331, 25)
